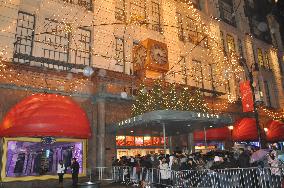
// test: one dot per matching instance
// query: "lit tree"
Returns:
(157, 97)
(172, 98)
(141, 104)
(197, 102)
(184, 100)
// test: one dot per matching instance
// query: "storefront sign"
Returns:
(247, 98)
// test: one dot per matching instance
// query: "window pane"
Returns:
(260, 57)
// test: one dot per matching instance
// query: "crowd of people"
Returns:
(214, 160)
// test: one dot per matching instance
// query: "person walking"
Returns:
(164, 171)
(75, 172)
(60, 172)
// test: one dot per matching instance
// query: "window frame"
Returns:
(119, 61)
(26, 37)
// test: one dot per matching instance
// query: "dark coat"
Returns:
(75, 167)
(243, 161)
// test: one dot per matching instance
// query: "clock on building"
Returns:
(150, 57)
(159, 54)
(139, 57)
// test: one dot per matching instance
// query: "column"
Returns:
(101, 133)
(190, 142)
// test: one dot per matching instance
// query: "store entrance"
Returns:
(140, 151)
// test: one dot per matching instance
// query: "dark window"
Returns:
(55, 44)
(198, 74)
(119, 50)
(138, 11)
(156, 16)
(120, 10)
(24, 36)
(241, 51)
(226, 11)
(82, 52)
(180, 27)
(267, 93)
(223, 42)
(83, 3)
(190, 31)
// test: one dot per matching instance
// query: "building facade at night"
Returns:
(97, 53)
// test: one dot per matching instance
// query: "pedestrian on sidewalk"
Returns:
(60, 172)
(75, 172)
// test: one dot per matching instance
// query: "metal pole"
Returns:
(164, 135)
(259, 134)
(205, 137)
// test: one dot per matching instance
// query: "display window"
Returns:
(130, 141)
(147, 141)
(156, 141)
(139, 141)
(31, 157)
(120, 140)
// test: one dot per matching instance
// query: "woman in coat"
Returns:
(60, 171)
(165, 172)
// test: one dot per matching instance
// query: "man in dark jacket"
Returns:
(243, 162)
(75, 171)
(244, 158)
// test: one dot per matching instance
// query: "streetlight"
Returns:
(249, 75)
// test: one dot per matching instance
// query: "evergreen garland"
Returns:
(172, 99)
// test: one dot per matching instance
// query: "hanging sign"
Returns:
(247, 98)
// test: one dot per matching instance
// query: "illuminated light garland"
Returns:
(274, 115)
(214, 50)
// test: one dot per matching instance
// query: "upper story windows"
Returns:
(263, 59)
(190, 31)
(231, 43)
(120, 10)
(256, 12)
(55, 45)
(83, 3)
(226, 9)
(144, 12)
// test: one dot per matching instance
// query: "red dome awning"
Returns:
(46, 115)
(214, 134)
(245, 130)
(275, 131)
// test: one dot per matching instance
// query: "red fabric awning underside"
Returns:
(245, 130)
(46, 115)
(214, 134)
(275, 131)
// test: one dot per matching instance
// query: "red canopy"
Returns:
(245, 130)
(46, 115)
(215, 134)
(275, 131)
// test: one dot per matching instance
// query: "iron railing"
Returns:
(221, 178)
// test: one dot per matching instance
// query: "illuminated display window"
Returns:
(156, 141)
(130, 141)
(32, 157)
(231, 43)
(120, 140)
(139, 141)
(267, 62)
(147, 141)
(260, 57)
